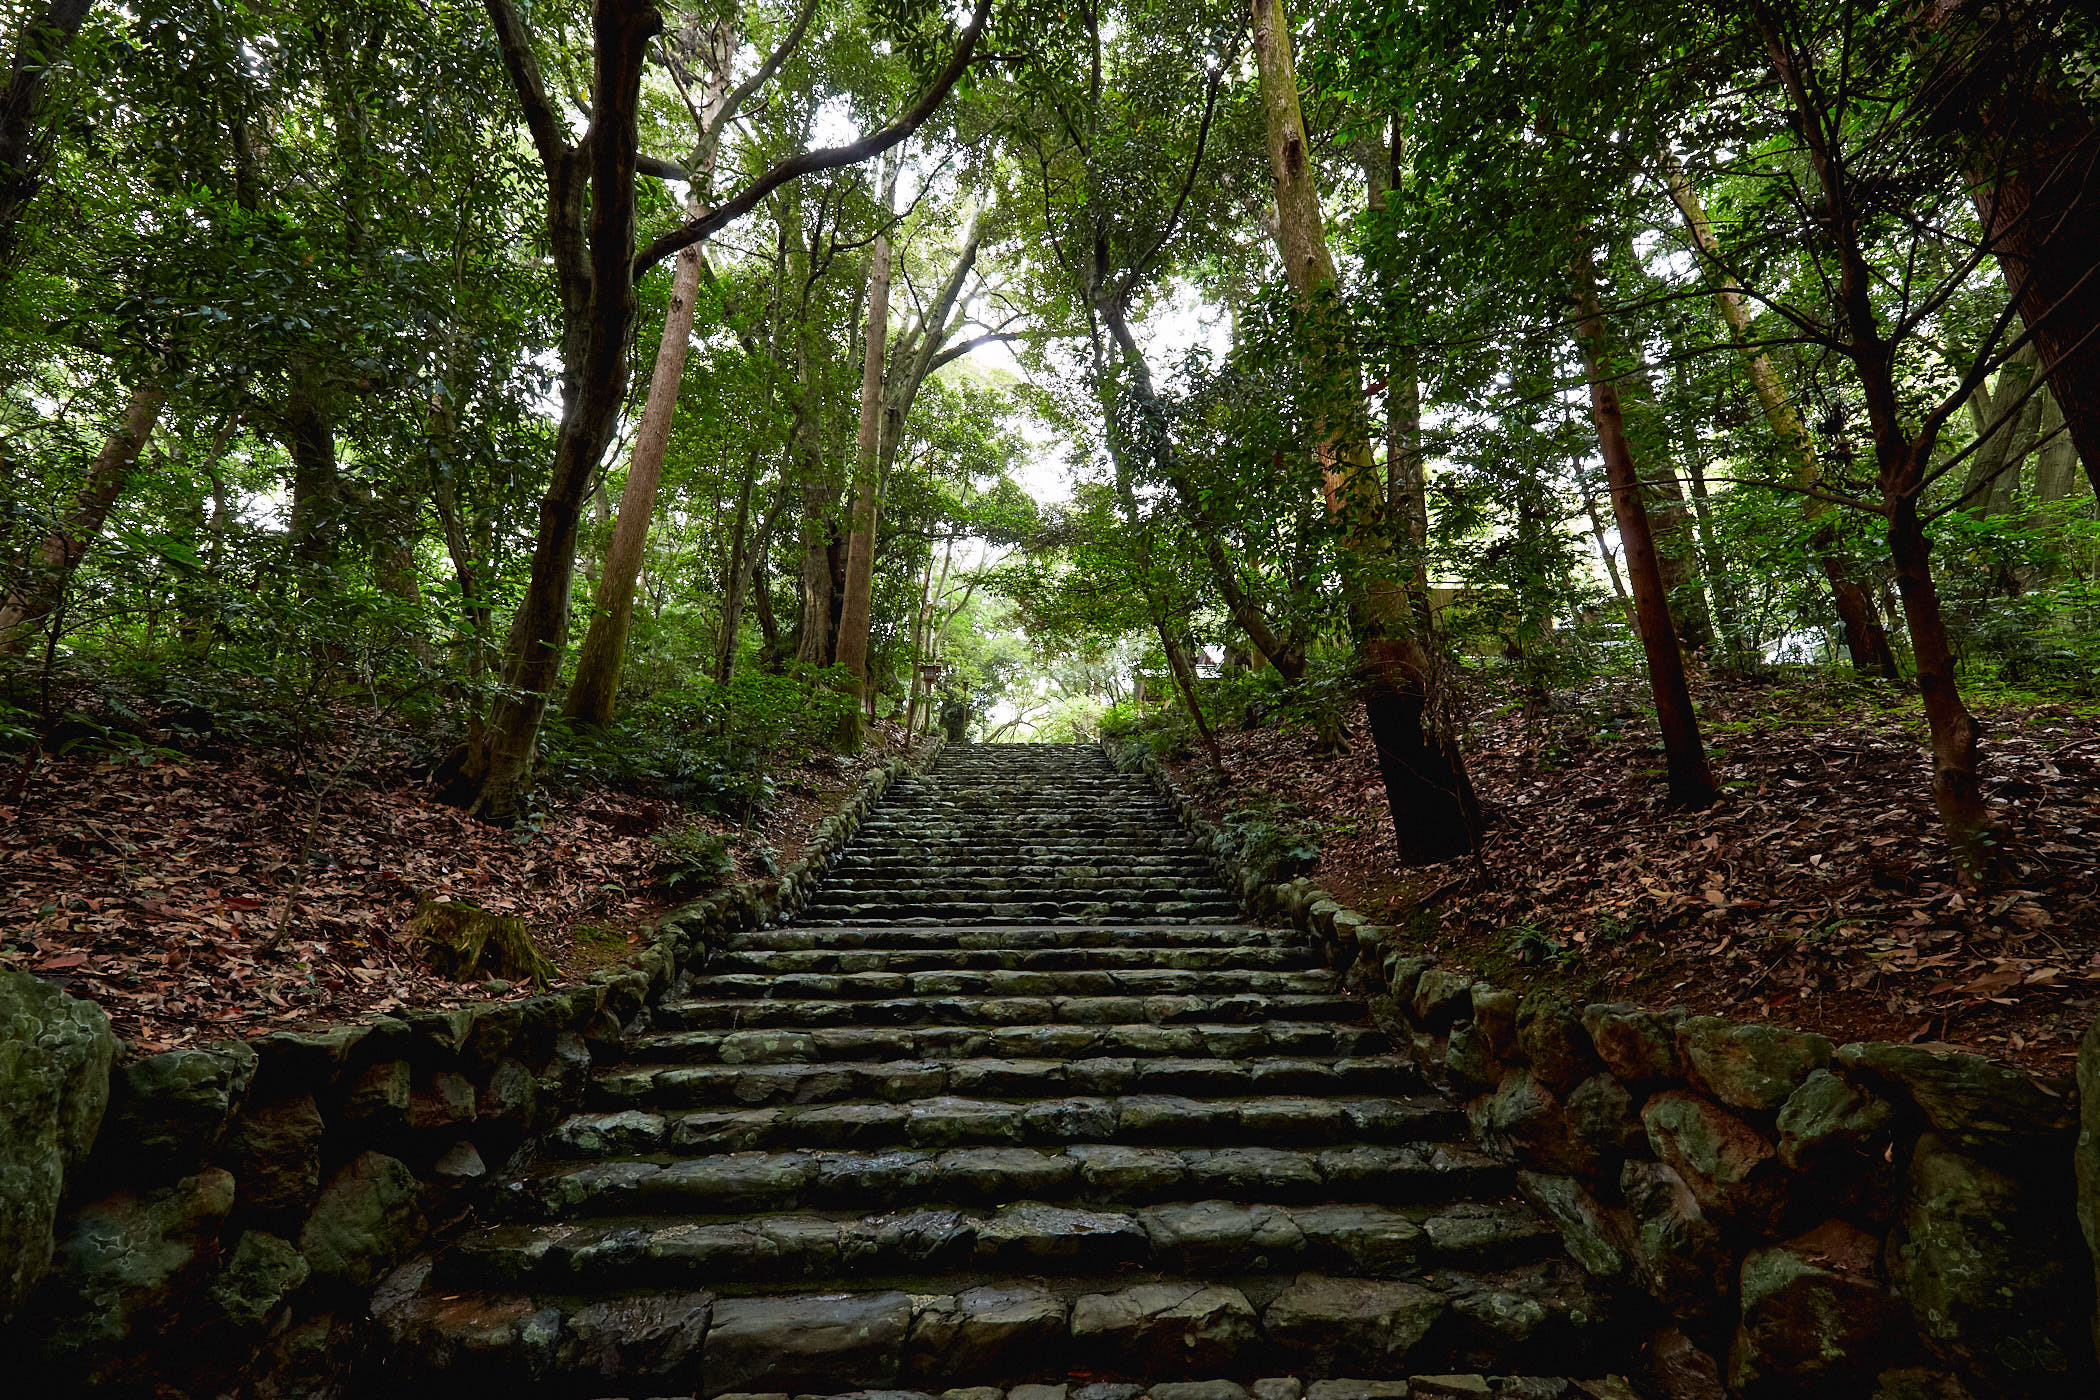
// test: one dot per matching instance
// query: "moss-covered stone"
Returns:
(1551, 1037)
(55, 1056)
(274, 1150)
(118, 1277)
(367, 1217)
(1828, 1122)
(1748, 1064)
(1729, 1167)
(258, 1274)
(1636, 1044)
(1989, 1268)
(1815, 1316)
(1970, 1101)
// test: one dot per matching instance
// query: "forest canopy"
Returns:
(519, 376)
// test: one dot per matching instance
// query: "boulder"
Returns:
(1526, 1120)
(1495, 1016)
(1749, 1064)
(168, 1111)
(379, 1098)
(259, 1273)
(1591, 1235)
(1471, 1060)
(1551, 1037)
(368, 1216)
(1732, 1171)
(1603, 1117)
(1678, 1252)
(1830, 1122)
(55, 1054)
(1442, 997)
(274, 1151)
(1971, 1102)
(1636, 1044)
(1994, 1284)
(1815, 1316)
(120, 1276)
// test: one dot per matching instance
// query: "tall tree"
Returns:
(1435, 813)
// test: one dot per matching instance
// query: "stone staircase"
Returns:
(1019, 1106)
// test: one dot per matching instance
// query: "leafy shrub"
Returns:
(690, 859)
(1273, 845)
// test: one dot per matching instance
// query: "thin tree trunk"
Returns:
(40, 44)
(597, 681)
(1185, 681)
(1957, 785)
(593, 242)
(737, 577)
(2034, 171)
(1611, 561)
(858, 604)
(1691, 784)
(1435, 813)
(1865, 638)
(316, 522)
(59, 553)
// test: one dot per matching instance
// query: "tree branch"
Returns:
(826, 158)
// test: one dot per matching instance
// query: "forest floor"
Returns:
(156, 880)
(1817, 892)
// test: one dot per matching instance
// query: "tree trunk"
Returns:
(1435, 813)
(1865, 638)
(1185, 682)
(1957, 785)
(40, 44)
(316, 520)
(860, 540)
(1691, 784)
(597, 681)
(594, 261)
(2056, 468)
(737, 577)
(2034, 172)
(59, 553)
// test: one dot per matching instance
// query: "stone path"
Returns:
(1018, 1104)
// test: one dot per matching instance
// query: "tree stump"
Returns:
(460, 940)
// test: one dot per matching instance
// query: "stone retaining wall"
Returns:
(1858, 1220)
(212, 1220)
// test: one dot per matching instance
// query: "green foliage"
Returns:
(712, 747)
(690, 860)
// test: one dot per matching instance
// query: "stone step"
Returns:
(935, 845)
(902, 882)
(1099, 1174)
(944, 1121)
(722, 1013)
(1009, 936)
(635, 1085)
(935, 1333)
(1096, 891)
(1215, 1238)
(1467, 1386)
(849, 960)
(821, 910)
(1018, 982)
(1222, 1041)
